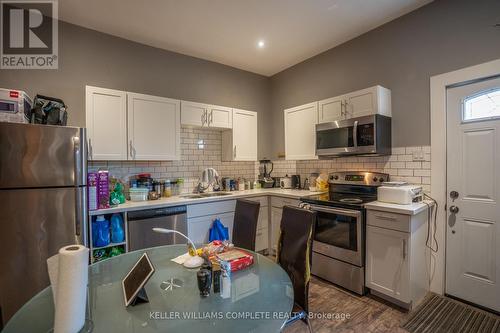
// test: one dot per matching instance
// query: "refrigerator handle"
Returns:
(80, 158)
(81, 216)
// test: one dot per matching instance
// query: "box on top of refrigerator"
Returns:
(15, 106)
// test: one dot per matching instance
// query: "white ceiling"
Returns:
(227, 31)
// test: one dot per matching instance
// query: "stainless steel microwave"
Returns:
(368, 135)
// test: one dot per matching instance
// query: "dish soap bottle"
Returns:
(117, 232)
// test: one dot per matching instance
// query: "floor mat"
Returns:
(442, 314)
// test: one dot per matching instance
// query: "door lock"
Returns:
(454, 195)
(454, 209)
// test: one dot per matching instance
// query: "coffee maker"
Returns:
(265, 169)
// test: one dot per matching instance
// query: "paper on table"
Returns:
(182, 258)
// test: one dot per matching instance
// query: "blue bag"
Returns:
(218, 231)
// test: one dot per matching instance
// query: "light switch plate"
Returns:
(418, 155)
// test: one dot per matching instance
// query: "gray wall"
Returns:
(88, 57)
(401, 55)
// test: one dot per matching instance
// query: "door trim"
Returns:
(438, 87)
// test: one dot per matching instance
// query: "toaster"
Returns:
(402, 195)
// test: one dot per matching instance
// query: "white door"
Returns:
(244, 135)
(300, 132)
(387, 264)
(331, 109)
(153, 127)
(106, 122)
(194, 114)
(473, 159)
(220, 116)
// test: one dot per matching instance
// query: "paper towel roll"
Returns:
(68, 273)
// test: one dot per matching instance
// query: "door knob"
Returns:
(454, 209)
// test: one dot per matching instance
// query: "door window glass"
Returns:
(483, 105)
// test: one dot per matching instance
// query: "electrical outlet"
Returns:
(418, 155)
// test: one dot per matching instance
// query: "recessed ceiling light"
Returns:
(261, 44)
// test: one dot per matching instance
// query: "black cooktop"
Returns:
(347, 200)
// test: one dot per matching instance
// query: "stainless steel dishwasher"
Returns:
(141, 223)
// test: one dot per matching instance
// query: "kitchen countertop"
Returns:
(411, 209)
(179, 200)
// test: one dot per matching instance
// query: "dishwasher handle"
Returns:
(155, 212)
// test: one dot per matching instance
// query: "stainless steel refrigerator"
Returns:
(43, 205)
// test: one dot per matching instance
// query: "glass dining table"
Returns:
(260, 299)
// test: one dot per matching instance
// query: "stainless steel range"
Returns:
(339, 239)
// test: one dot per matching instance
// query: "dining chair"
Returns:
(246, 217)
(294, 255)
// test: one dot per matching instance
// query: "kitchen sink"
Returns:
(191, 196)
(205, 195)
(214, 194)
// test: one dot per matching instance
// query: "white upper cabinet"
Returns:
(240, 144)
(300, 132)
(106, 122)
(365, 102)
(220, 116)
(331, 109)
(153, 127)
(129, 126)
(194, 114)
(205, 115)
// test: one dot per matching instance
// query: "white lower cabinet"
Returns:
(199, 227)
(277, 204)
(387, 262)
(395, 256)
(276, 214)
(262, 234)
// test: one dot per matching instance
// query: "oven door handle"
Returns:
(347, 212)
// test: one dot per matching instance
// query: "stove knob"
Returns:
(336, 177)
(375, 179)
(381, 179)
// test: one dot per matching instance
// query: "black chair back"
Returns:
(246, 217)
(294, 253)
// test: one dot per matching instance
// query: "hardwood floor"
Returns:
(366, 314)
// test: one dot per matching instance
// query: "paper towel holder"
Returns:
(134, 282)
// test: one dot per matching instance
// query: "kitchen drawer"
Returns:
(262, 200)
(279, 202)
(388, 220)
(261, 239)
(211, 208)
